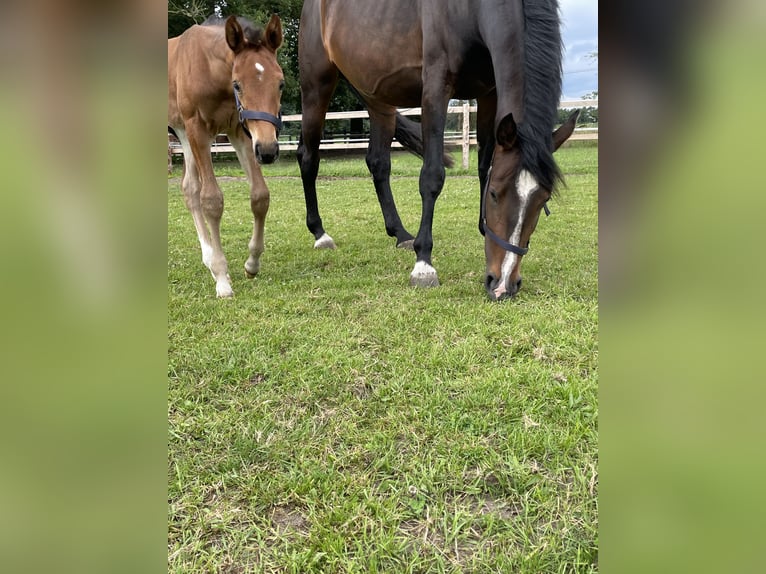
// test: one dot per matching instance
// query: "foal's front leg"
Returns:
(204, 200)
(259, 200)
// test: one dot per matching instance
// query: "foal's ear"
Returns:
(565, 130)
(506, 132)
(274, 33)
(235, 37)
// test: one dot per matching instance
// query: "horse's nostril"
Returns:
(489, 281)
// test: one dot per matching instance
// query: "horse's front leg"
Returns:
(432, 173)
(259, 205)
(205, 201)
(259, 199)
(382, 127)
(318, 82)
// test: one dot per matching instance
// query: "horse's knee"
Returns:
(212, 203)
(259, 202)
(308, 160)
(432, 177)
(379, 166)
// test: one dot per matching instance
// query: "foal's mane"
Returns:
(542, 90)
(253, 33)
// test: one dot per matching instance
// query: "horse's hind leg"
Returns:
(205, 201)
(382, 126)
(259, 199)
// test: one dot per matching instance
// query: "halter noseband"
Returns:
(520, 251)
(253, 115)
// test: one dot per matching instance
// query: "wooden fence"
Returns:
(464, 139)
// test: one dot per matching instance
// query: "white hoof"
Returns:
(324, 242)
(423, 275)
(223, 290)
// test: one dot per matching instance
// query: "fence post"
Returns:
(466, 131)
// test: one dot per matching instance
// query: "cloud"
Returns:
(579, 31)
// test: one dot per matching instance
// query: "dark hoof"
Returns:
(408, 244)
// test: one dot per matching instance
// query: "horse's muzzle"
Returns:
(497, 291)
(267, 153)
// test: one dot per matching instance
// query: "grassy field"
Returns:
(330, 418)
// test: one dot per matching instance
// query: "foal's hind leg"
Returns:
(259, 199)
(382, 126)
(205, 201)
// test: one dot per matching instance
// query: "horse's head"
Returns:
(511, 205)
(258, 82)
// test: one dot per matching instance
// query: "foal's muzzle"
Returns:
(266, 153)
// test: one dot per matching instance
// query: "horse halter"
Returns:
(520, 251)
(253, 115)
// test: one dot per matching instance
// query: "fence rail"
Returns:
(463, 139)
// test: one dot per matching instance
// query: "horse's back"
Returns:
(376, 45)
(380, 45)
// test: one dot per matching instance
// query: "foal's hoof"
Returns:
(423, 275)
(223, 291)
(251, 270)
(324, 242)
(408, 244)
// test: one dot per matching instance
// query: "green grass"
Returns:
(330, 418)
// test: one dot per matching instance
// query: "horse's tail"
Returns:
(409, 134)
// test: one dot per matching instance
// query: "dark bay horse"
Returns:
(223, 77)
(504, 53)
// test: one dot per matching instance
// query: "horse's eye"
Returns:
(281, 85)
(237, 86)
(493, 194)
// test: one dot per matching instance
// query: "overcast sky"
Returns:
(579, 29)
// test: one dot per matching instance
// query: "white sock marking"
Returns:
(324, 242)
(422, 269)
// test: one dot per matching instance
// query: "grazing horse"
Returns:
(223, 77)
(504, 53)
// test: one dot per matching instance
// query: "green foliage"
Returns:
(330, 418)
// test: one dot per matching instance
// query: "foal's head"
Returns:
(513, 198)
(258, 82)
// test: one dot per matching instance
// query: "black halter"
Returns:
(520, 251)
(253, 115)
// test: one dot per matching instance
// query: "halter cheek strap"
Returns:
(244, 115)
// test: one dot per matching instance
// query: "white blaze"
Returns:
(259, 67)
(525, 187)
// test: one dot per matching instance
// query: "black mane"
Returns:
(253, 33)
(542, 90)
